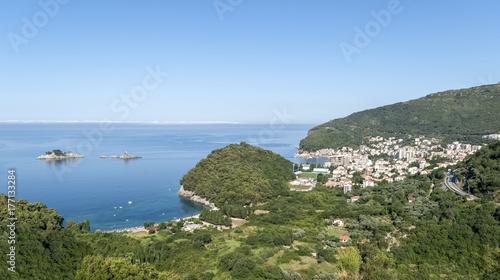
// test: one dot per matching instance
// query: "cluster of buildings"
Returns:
(387, 159)
(493, 136)
(310, 182)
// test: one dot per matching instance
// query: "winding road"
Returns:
(449, 184)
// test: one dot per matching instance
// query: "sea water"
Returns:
(116, 193)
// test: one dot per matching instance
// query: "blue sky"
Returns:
(92, 60)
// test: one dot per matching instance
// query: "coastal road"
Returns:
(449, 184)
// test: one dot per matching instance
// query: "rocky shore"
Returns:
(195, 198)
(126, 155)
(58, 155)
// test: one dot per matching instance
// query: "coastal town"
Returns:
(381, 159)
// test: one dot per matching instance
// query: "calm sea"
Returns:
(100, 189)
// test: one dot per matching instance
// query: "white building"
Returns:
(338, 222)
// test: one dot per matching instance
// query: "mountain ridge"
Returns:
(453, 115)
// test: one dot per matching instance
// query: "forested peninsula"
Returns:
(238, 174)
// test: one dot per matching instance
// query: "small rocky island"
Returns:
(58, 155)
(125, 155)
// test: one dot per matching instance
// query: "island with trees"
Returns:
(58, 155)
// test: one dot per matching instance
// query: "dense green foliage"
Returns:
(239, 175)
(463, 115)
(43, 247)
(99, 267)
(223, 216)
(438, 235)
(481, 172)
(456, 238)
(236, 211)
(56, 152)
(215, 217)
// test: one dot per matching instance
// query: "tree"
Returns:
(148, 224)
(99, 267)
(328, 276)
(204, 238)
(162, 226)
(349, 261)
(492, 261)
(357, 178)
(290, 275)
(322, 178)
(85, 226)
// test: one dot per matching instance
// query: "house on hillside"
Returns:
(339, 171)
(354, 198)
(152, 228)
(399, 178)
(347, 188)
(368, 182)
(344, 238)
(303, 182)
(331, 183)
(338, 222)
(189, 226)
(321, 170)
(346, 181)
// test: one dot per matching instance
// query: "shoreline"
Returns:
(183, 193)
(196, 198)
(141, 228)
(236, 223)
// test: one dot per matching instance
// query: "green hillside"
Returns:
(438, 236)
(239, 175)
(481, 171)
(39, 246)
(463, 115)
